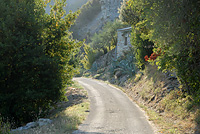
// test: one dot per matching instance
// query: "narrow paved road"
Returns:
(111, 111)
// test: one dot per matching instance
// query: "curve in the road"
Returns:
(111, 111)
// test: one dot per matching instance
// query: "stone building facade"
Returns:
(123, 41)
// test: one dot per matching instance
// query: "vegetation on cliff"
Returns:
(101, 43)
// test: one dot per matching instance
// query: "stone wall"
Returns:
(123, 41)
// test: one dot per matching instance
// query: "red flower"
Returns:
(146, 58)
(153, 55)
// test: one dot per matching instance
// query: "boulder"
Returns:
(30, 125)
(118, 74)
(43, 122)
(40, 122)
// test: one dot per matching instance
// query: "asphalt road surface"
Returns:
(111, 111)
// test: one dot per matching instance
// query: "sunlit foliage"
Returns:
(172, 26)
(35, 50)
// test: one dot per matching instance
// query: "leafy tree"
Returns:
(35, 50)
(101, 43)
(90, 56)
(141, 48)
(127, 13)
(107, 37)
(173, 27)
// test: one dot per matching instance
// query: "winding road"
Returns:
(111, 111)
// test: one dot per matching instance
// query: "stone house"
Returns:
(123, 41)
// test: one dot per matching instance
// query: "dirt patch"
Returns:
(75, 96)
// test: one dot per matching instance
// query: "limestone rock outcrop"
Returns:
(40, 122)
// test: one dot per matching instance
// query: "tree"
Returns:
(127, 13)
(173, 28)
(101, 43)
(35, 50)
(107, 37)
(131, 13)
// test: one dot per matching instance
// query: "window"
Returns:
(125, 42)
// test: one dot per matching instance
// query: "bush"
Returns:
(106, 39)
(174, 29)
(90, 56)
(4, 126)
(35, 50)
(126, 65)
(141, 48)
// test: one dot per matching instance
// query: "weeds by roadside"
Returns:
(171, 110)
(68, 115)
(4, 126)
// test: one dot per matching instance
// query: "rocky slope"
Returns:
(109, 12)
(72, 5)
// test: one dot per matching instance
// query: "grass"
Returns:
(4, 127)
(67, 116)
(165, 126)
(173, 112)
(97, 76)
(86, 74)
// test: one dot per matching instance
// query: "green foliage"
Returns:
(142, 45)
(101, 43)
(173, 27)
(74, 6)
(35, 50)
(4, 126)
(89, 11)
(127, 13)
(90, 56)
(126, 64)
(141, 48)
(107, 37)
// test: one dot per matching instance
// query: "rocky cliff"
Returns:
(109, 12)
(72, 5)
(109, 9)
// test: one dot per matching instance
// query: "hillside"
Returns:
(156, 92)
(72, 5)
(94, 14)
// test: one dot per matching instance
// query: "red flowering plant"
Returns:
(153, 56)
(146, 58)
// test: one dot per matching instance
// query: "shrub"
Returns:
(35, 50)
(141, 49)
(126, 64)
(4, 126)
(173, 28)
